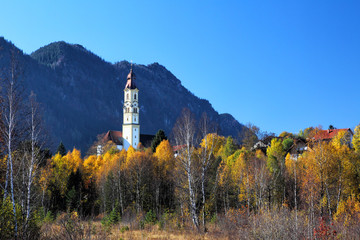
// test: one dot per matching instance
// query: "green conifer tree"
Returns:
(159, 137)
(61, 149)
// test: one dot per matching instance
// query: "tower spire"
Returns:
(130, 83)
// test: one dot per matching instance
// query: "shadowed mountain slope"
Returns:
(82, 95)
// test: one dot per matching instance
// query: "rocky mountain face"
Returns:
(82, 95)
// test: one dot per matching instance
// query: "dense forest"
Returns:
(194, 183)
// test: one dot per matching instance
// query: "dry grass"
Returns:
(95, 230)
(275, 224)
(161, 235)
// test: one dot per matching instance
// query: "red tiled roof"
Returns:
(114, 136)
(329, 134)
(178, 147)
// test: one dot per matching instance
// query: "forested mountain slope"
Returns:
(82, 95)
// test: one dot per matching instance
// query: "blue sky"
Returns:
(281, 65)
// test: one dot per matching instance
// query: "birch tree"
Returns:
(35, 144)
(185, 137)
(210, 143)
(10, 129)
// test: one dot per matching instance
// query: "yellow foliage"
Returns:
(348, 211)
(44, 177)
(73, 159)
(224, 175)
(165, 157)
(91, 166)
(241, 174)
(342, 139)
(332, 166)
(259, 154)
(213, 142)
(291, 165)
(275, 149)
(130, 153)
(356, 139)
(62, 166)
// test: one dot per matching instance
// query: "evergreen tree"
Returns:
(61, 149)
(159, 137)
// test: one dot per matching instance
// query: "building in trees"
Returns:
(263, 144)
(298, 147)
(328, 135)
(130, 134)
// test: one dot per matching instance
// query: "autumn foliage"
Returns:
(263, 194)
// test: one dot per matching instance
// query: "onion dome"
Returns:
(130, 83)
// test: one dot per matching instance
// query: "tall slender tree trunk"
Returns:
(203, 197)
(295, 201)
(328, 200)
(10, 140)
(6, 178)
(339, 193)
(32, 162)
(138, 196)
(192, 199)
(157, 196)
(120, 193)
(248, 194)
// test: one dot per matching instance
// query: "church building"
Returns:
(130, 134)
(131, 126)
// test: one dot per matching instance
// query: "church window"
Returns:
(135, 136)
(135, 96)
(135, 119)
(127, 96)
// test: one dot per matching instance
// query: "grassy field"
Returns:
(95, 230)
(275, 224)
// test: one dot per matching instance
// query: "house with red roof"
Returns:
(328, 135)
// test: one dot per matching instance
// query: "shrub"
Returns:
(150, 217)
(124, 228)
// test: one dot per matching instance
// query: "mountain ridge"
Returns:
(82, 94)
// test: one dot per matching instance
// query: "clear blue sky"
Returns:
(281, 65)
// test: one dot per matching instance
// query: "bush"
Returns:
(124, 228)
(150, 217)
(113, 218)
(31, 230)
(6, 219)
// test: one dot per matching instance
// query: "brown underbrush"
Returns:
(235, 224)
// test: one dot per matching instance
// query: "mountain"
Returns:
(82, 95)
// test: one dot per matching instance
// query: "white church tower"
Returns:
(131, 126)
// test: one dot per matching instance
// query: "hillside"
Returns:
(82, 95)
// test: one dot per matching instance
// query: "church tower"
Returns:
(131, 126)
